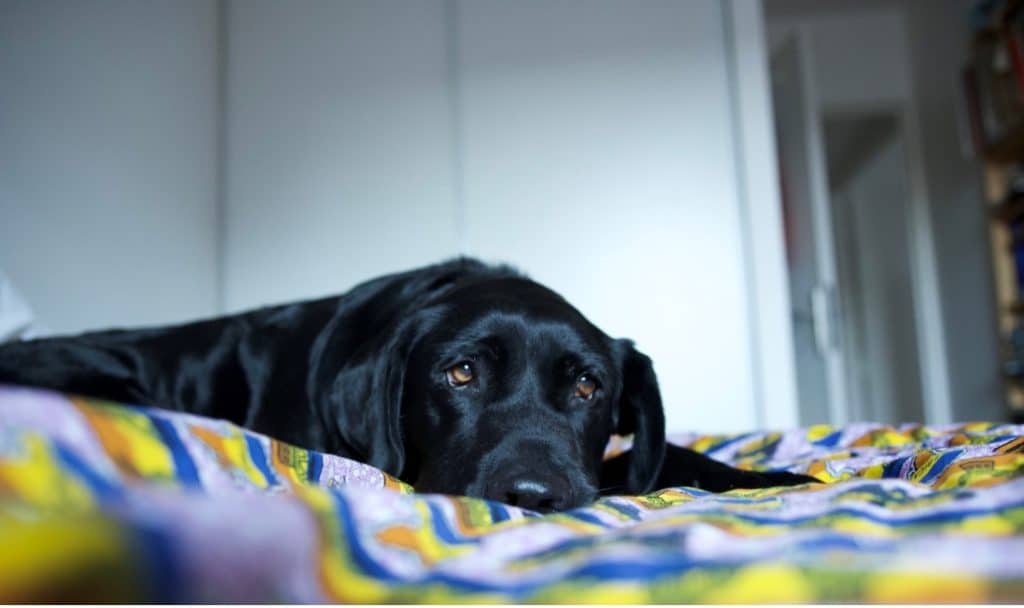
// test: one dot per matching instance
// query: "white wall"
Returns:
(590, 144)
(107, 119)
(338, 156)
(598, 157)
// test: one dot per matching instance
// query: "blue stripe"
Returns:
(727, 443)
(439, 523)
(183, 465)
(316, 464)
(925, 518)
(101, 488)
(693, 492)
(585, 517)
(829, 440)
(498, 512)
(892, 468)
(763, 451)
(350, 538)
(167, 581)
(259, 458)
(940, 466)
(577, 542)
(666, 564)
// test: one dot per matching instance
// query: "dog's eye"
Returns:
(585, 387)
(460, 374)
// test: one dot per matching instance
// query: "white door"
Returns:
(810, 249)
(869, 191)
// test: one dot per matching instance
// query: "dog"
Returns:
(457, 378)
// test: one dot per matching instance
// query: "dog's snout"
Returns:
(533, 492)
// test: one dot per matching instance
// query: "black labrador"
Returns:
(460, 378)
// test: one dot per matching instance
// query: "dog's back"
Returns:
(232, 367)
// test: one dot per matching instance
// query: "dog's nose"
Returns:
(534, 493)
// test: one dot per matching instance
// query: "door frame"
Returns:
(825, 293)
(760, 209)
(924, 276)
(932, 347)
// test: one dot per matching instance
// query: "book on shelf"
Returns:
(993, 86)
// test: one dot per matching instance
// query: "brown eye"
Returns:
(585, 387)
(460, 374)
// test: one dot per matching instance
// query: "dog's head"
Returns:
(495, 386)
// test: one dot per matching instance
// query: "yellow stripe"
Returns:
(904, 587)
(232, 452)
(129, 438)
(37, 479)
(65, 560)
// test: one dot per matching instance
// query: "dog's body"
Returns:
(459, 377)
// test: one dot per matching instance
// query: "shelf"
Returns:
(1007, 149)
(1005, 207)
(1011, 7)
(1007, 212)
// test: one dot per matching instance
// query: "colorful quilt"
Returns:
(102, 502)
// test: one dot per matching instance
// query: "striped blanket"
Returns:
(103, 502)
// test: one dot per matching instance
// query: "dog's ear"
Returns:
(359, 397)
(640, 414)
(384, 406)
(367, 400)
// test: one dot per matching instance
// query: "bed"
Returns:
(108, 502)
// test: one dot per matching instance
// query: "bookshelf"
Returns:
(1003, 218)
(993, 83)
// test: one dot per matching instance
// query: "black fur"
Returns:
(363, 375)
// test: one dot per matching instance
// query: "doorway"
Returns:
(846, 202)
(868, 194)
